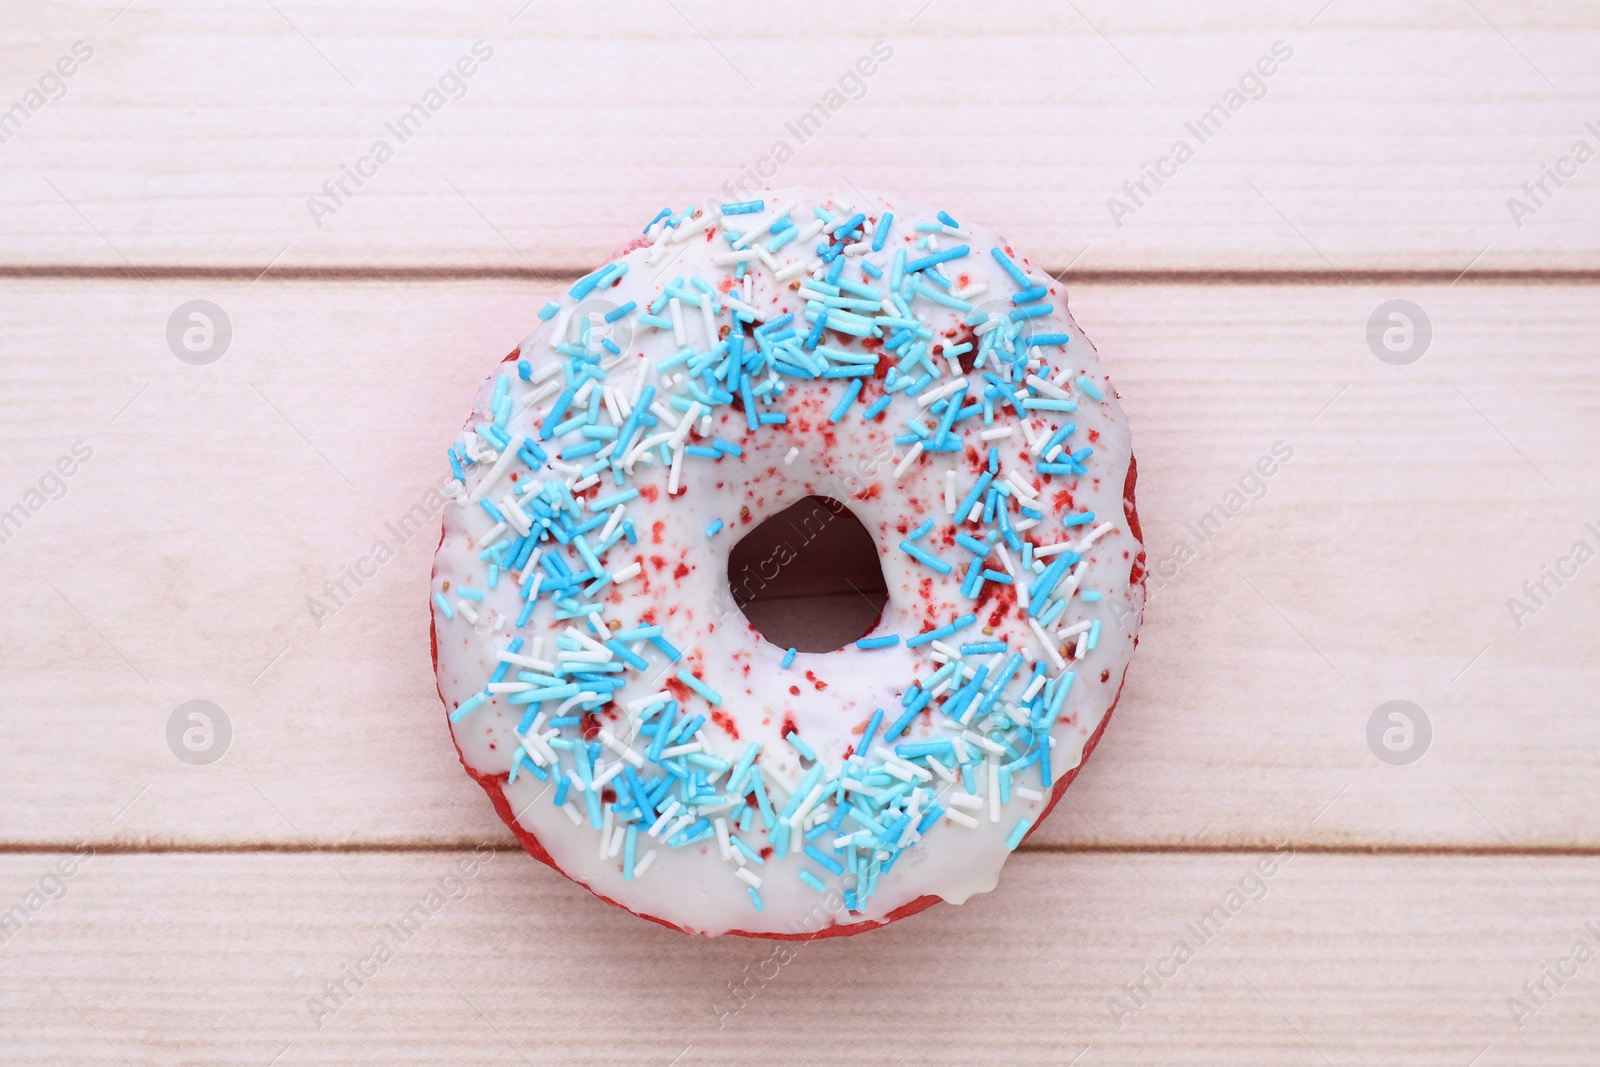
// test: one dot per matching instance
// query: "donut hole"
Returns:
(808, 577)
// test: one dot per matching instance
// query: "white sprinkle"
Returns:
(938, 767)
(1095, 535)
(950, 500)
(789, 458)
(631, 571)
(466, 611)
(640, 867)
(749, 876)
(967, 800)
(910, 458)
(679, 338)
(676, 473)
(510, 687)
(1049, 646)
(1049, 389)
(999, 433)
(682, 750)
(1026, 793)
(1033, 689)
(617, 838)
(926, 398)
(723, 844)
(572, 813)
(1082, 646)
(609, 739)
(606, 824)
(666, 817)
(501, 465)
(1046, 551)
(492, 536)
(975, 289)
(558, 333)
(793, 270)
(729, 259)
(961, 817)
(762, 224)
(611, 526)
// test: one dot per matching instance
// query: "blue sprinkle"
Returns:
(788, 659)
(944, 217)
(714, 529)
(712, 696)
(982, 648)
(1027, 296)
(1094, 635)
(1090, 388)
(1080, 519)
(468, 706)
(850, 394)
(470, 594)
(876, 408)
(617, 313)
(812, 880)
(1035, 340)
(755, 898)
(800, 746)
(444, 606)
(742, 207)
(883, 641)
(882, 231)
(872, 729)
(1018, 833)
(824, 859)
(549, 311)
(921, 531)
(925, 558)
(1092, 596)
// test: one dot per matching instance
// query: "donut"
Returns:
(630, 724)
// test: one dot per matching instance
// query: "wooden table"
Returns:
(171, 911)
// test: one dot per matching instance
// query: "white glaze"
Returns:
(694, 887)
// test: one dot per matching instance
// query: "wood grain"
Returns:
(1375, 565)
(1390, 138)
(1350, 960)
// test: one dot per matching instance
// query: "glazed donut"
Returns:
(631, 726)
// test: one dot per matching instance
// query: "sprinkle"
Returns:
(811, 880)
(1089, 388)
(921, 531)
(714, 529)
(444, 606)
(882, 231)
(883, 641)
(925, 558)
(1018, 833)
(549, 310)
(942, 632)
(711, 695)
(850, 394)
(788, 659)
(800, 746)
(742, 207)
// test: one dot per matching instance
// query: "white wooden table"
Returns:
(208, 904)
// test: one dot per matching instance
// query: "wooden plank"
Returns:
(221, 959)
(1386, 137)
(1376, 565)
